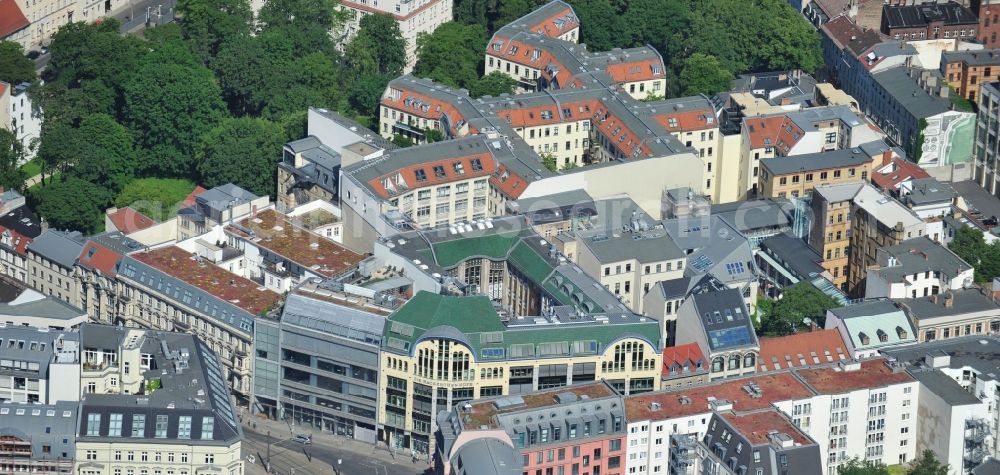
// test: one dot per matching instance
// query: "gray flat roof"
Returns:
(920, 255)
(864, 309)
(909, 95)
(61, 247)
(945, 387)
(964, 301)
(47, 427)
(816, 161)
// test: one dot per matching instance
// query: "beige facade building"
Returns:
(831, 232)
(51, 263)
(877, 221)
(413, 16)
(170, 412)
(794, 177)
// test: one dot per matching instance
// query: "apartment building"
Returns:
(851, 409)
(18, 227)
(954, 314)
(934, 202)
(317, 363)
(929, 21)
(171, 289)
(717, 320)
(21, 118)
(35, 438)
(804, 349)
(831, 233)
(967, 71)
(871, 326)
(631, 259)
(797, 176)
(30, 308)
(51, 261)
(892, 175)
(32, 24)
(785, 260)
(917, 267)
(172, 413)
(563, 442)
(773, 444)
(786, 134)
(282, 253)
(310, 167)
(96, 273)
(958, 385)
(877, 221)
(414, 18)
(215, 207)
(684, 365)
(39, 366)
(985, 146)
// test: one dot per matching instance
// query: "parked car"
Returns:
(34, 54)
(303, 439)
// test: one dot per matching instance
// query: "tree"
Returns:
(72, 203)
(82, 51)
(57, 145)
(856, 466)
(493, 84)
(103, 152)
(154, 197)
(168, 107)
(307, 23)
(15, 68)
(247, 69)
(509, 10)
(243, 151)
(402, 141)
(927, 464)
(207, 24)
(549, 161)
(380, 33)
(797, 303)
(433, 135)
(703, 74)
(970, 245)
(70, 104)
(471, 12)
(365, 94)
(660, 23)
(11, 156)
(600, 22)
(451, 55)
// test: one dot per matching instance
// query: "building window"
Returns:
(115, 426)
(138, 425)
(207, 428)
(161, 427)
(93, 424)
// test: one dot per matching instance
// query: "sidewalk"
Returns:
(281, 430)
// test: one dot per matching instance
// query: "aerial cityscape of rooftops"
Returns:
(515, 237)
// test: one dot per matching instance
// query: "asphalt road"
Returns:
(133, 17)
(289, 457)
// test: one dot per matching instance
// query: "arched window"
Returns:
(718, 364)
(734, 362)
(749, 360)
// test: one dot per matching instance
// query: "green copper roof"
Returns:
(534, 266)
(473, 321)
(496, 246)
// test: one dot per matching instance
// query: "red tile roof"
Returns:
(102, 258)
(20, 242)
(684, 356)
(415, 106)
(694, 400)
(409, 173)
(631, 71)
(888, 177)
(12, 19)
(129, 220)
(239, 291)
(756, 426)
(873, 373)
(688, 120)
(548, 26)
(801, 350)
(189, 200)
(776, 131)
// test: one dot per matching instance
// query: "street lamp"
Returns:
(339, 461)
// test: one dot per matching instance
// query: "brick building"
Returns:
(949, 20)
(966, 71)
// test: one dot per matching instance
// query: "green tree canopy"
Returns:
(103, 152)
(451, 55)
(381, 35)
(970, 245)
(168, 107)
(154, 197)
(704, 74)
(306, 23)
(69, 202)
(15, 67)
(247, 69)
(493, 84)
(243, 151)
(600, 23)
(797, 303)
(11, 156)
(85, 51)
(856, 466)
(365, 94)
(207, 24)
(927, 464)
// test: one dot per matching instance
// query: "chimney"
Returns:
(949, 299)
(944, 92)
(886, 157)
(934, 299)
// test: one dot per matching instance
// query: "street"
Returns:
(133, 18)
(289, 457)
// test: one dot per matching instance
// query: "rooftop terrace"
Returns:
(276, 233)
(484, 412)
(179, 264)
(756, 426)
